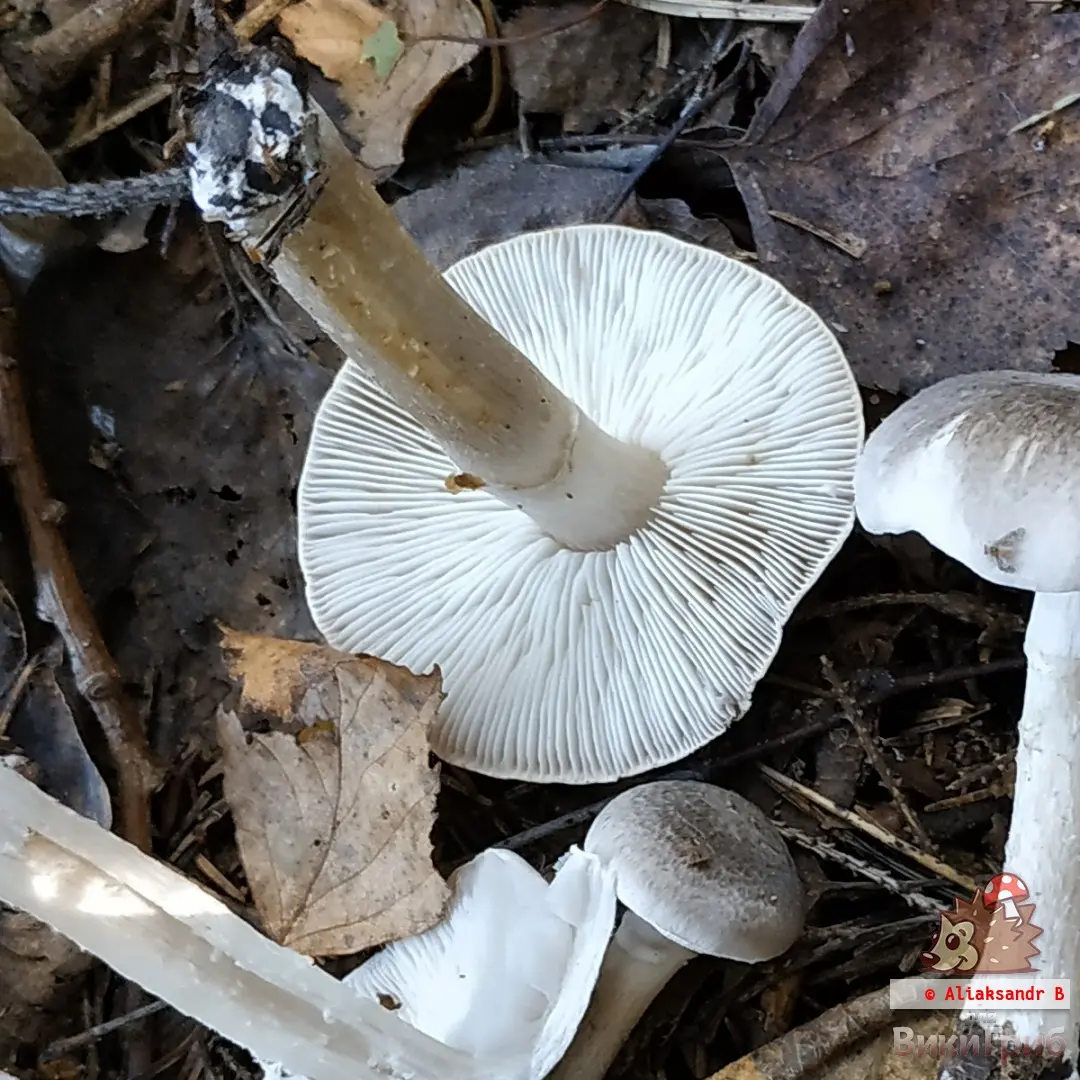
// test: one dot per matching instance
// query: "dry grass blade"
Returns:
(728, 9)
(791, 787)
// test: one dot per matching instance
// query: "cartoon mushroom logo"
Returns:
(1006, 891)
(952, 948)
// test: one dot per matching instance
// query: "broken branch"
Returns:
(62, 601)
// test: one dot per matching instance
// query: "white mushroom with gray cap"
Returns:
(701, 870)
(616, 616)
(986, 467)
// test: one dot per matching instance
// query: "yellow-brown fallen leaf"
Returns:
(349, 41)
(333, 823)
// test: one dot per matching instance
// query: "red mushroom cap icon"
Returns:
(1002, 888)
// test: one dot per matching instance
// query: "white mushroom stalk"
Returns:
(985, 467)
(156, 928)
(588, 475)
(701, 870)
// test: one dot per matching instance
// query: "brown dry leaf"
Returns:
(334, 827)
(332, 34)
(890, 130)
(589, 74)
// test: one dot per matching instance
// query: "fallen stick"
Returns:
(158, 929)
(50, 60)
(62, 602)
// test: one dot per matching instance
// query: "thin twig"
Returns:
(51, 59)
(854, 714)
(956, 605)
(492, 29)
(787, 786)
(100, 199)
(99, 1031)
(498, 42)
(848, 243)
(146, 100)
(695, 103)
(62, 602)
(262, 14)
(873, 874)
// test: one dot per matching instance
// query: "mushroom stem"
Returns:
(342, 255)
(637, 966)
(159, 930)
(1043, 847)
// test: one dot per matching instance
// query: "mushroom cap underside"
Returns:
(984, 467)
(703, 866)
(572, 666)
(509, 972)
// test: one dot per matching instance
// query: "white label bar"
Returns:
(988, 994)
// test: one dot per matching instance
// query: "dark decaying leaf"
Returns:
(891, 130)
(43, 728)
(38, 973)
(177, 451)
(590, 73)
(495, 195)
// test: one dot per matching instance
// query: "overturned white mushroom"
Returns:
(617, 616)
(588, 475)
(508, 973)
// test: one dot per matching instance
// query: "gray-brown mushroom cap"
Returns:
(984, 467)
(704, 866)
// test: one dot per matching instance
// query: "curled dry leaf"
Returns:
(44, 729)
(347, 39)
(888, 186)
(333, 822)
(857, 1040)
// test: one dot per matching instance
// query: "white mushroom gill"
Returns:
(730, 425)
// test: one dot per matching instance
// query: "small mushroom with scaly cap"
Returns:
(701, 870)
(986, 467)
